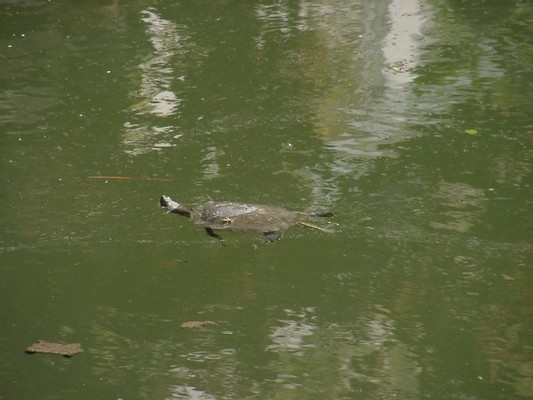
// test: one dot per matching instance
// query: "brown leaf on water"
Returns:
(197, 324)
(507, 277)
(67, 350)
(129, 178)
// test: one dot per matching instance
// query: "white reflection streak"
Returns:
(156, 73)
(189, 392)
(402, 43)
(291, 335)
(156, 76)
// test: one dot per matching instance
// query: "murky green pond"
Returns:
(411, 120)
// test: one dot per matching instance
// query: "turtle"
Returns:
(270, 221)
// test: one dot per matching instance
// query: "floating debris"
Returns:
(163, 145)
(197, 324)
(129, 178)
(66, 350)
(401, 66)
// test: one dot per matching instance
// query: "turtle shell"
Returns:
(244, 217)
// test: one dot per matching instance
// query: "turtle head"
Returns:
(174, 207)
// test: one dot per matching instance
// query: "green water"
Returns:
(410, 120)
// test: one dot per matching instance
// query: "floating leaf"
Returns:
(67, 350)
(471, 131)
(197, 324)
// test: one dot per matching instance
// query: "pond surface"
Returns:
(410, 120)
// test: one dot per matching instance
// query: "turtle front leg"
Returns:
(211, 233)
(271, 237)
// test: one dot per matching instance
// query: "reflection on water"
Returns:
(155, 79)
(372, 360)
(139, 138)
(410, 120)
(156, 73)
(402, 45)
(290, 336)
(465, 205)
(20, 101)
